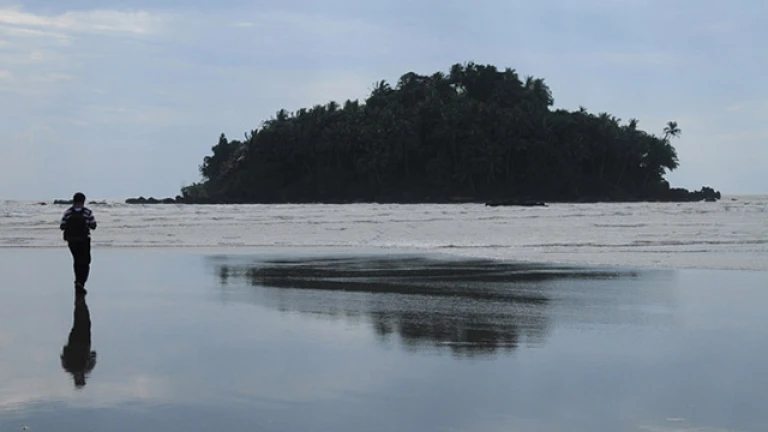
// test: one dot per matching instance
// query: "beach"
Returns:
(356, 339)
(383, 217)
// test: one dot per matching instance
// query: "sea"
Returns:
(729, 234)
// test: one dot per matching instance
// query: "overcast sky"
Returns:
(125, 98)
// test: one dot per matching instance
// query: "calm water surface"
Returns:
(295, 341)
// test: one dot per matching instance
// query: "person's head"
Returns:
(78, 199)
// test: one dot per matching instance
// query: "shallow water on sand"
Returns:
(288, 340)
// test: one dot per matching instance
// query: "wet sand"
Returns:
(285, 340)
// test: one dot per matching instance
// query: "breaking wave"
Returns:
(727, 234)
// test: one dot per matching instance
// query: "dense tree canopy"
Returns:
(475, 133)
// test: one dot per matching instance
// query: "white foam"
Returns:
(725, 235)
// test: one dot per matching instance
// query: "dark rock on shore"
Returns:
(663, 194)
(153, 200)
(705, 194)
(683, 195)
(69, 202)
(513, 202)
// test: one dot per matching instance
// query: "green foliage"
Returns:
(475, 133)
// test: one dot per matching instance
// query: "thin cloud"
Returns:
(95, 21)
(12, 31)
(50, 77)
(146, 115)
(284, 33)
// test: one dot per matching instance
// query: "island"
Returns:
(475, 133)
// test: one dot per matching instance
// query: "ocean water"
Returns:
(729, 234)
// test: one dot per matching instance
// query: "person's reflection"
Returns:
(77, 357)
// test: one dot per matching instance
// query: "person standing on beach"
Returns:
(77, 223)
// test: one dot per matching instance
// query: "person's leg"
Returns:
(86, 261)
(74, 251)
(82, 256)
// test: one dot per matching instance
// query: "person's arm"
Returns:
(91, 220)
(64, 218)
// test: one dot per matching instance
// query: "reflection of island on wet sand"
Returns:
(77, 357)
(470, 307)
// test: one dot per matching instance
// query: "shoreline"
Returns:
(725, 197)
(491, 204)
(677, 195)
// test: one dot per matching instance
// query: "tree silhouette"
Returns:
(475, 133)
(671, 130)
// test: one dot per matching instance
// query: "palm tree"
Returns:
(671, 130)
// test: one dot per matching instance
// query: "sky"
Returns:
(125, 98)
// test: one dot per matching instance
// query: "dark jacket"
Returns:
(87, 214)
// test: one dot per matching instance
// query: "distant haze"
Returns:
(119, 102)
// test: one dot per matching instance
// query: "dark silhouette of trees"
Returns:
(475, 133)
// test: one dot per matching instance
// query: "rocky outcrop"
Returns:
(69, 202)
(513, 202)
(683, 195)
(153, 200)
